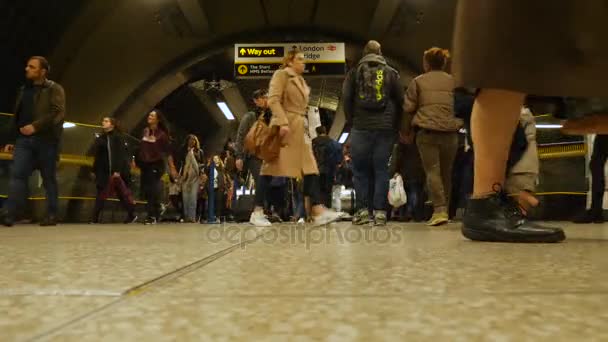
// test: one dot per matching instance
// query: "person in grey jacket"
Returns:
(373, 102)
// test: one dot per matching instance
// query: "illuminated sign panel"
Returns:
(262, 60)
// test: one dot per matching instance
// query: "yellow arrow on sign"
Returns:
(243, 51)
(314, 68)
(242, 69)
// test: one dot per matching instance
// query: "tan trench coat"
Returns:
(288, 100)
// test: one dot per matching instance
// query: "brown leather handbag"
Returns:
(263, 141)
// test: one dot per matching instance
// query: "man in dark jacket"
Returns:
(328, 154)
(373, 100)
(37, 127)
(112, 170)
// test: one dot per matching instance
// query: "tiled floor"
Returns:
(195, 282)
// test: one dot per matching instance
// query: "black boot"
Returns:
(496, 219)
(589, 216)
(96, 217)
(49, 221)
(6, 219)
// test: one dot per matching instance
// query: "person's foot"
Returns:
(150, 221)
(48, 221)
(131, 219)
(438, 219)
(274, 218)
(6, 219)
(326, 217)
(361, 217)
(258, 219)
(496, 219)
(589, 216)
(380, 218)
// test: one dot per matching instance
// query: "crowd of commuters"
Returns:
(412, 133)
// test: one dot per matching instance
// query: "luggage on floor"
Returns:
(343, 199)
(243, 207)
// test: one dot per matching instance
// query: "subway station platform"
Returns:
(406, 282)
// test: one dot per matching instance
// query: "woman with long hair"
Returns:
(219, 187)
(154, 148)
(430, 102)
(112, 169)
(288, 101)
(192, 160)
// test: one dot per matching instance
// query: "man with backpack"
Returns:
(373, 101)
(328, 154)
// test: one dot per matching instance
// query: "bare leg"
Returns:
(495, 116)
(489, 217)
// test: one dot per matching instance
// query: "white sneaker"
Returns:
(259, 220)
(328, 216)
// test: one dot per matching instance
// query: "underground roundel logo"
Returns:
(242, 69)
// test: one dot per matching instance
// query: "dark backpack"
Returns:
(371, 86)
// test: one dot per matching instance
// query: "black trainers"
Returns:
(497, 219)
(589, 216)
(49, 221)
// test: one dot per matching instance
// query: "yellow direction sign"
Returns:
(242, 69)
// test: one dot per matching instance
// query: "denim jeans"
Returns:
(190, 198)
(415, 203)
(370, 152)
(33, 153)
(326, 183)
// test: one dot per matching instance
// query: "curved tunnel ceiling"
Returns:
(124, 57)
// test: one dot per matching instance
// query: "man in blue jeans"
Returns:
(37, 129)
(373, 104)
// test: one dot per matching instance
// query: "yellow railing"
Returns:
(72, 122)
(70, 159)
(562, 151)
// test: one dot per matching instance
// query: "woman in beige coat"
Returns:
(288, 100)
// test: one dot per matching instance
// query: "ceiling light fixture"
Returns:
(343, 138)
(548, 126)
(224, 108)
